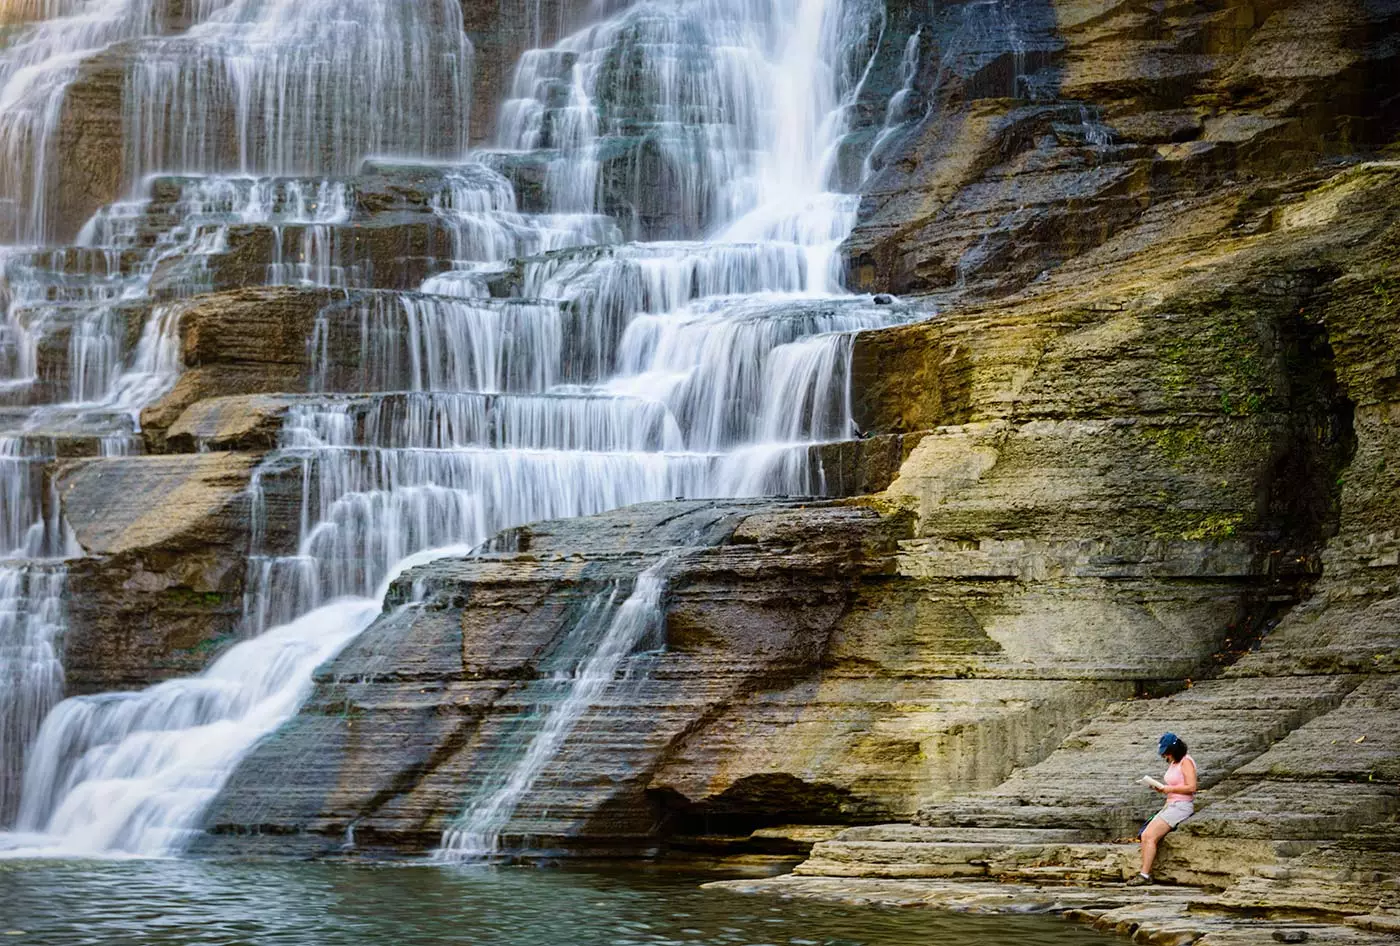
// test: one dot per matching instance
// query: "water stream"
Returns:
(477, 832)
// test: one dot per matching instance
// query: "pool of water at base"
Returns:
(236, 903)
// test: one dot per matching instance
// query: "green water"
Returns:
(227, 903)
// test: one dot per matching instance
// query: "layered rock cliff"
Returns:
(1232, 330)
(1295, 732)
(1134, 475)
(1138, 511)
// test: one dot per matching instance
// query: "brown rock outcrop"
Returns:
(1296, 739)
(986, 194)
(160, 591)
(248, 341)
(768, 696)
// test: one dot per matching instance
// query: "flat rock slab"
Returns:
(1157, 915)
(108, 500)
(1090, 779)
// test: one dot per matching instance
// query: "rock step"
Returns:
(919, 834)
(1021, 859)
(1024, 857)
(1093, 774)
(1160, 915)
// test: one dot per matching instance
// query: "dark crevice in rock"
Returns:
(762, 801)
(1305, 488)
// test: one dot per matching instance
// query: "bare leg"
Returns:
(1155, 831)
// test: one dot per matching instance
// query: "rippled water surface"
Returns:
(180, 902)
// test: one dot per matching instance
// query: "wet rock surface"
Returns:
(160, 591)
(421, 707)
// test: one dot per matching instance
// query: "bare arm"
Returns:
(1188, 772)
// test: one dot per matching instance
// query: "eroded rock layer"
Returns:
(773, 693)
(1296, 736)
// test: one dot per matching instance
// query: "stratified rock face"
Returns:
(786, 682)
(160, 589)
(1105, 109)
(1297, 742)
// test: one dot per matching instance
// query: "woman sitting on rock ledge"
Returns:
(1179, 786)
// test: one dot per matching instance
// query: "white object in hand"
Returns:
(1150, 781)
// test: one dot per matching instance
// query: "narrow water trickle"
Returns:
(476, 834)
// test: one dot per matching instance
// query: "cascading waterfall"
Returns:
(487, 228)
(37, 65)
(239, 92)
(255, 86)
(32, 580)
(711, 360)
(732, 337)
(31, 674)
(250, 86)
(133, 772)
(105, 390)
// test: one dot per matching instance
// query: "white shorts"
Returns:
(1176, 812)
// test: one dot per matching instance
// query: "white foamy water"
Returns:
(131, 773)
(709, 356)
(31, 674)
(246, 86)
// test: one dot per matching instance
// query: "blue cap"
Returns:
(1166, 742)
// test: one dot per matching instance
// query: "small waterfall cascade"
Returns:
(254, 87)
(34, 542)
(906, 105)
(605, 636)
(132, 772)
(642, 302)
(31, 674)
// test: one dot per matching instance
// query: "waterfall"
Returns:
(33, 540)
(255, 87)
(37, 65)
(31, 675)
(250, 86)
(643, 303)
(300, 88)
(477, 832)
(132, 772)
(908, 104)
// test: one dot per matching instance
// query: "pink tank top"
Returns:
(1175, 777)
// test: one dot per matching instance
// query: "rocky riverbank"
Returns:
(1160, 916)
